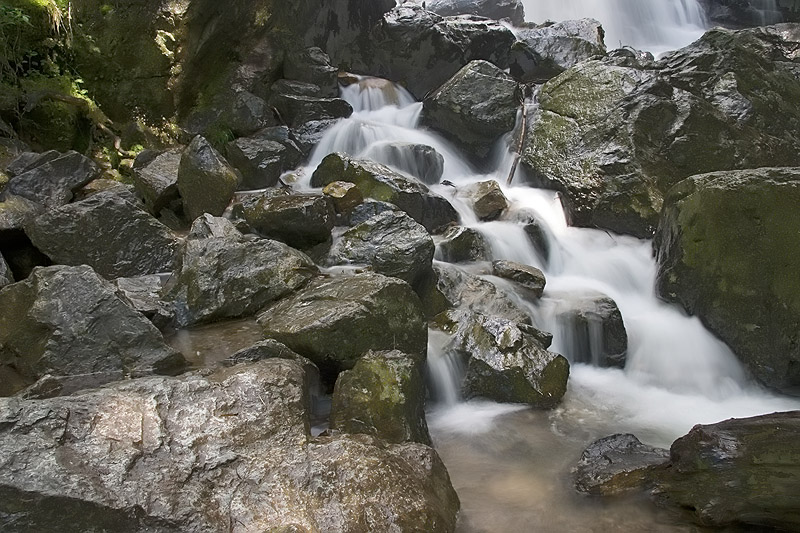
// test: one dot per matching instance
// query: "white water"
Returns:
(653, 25)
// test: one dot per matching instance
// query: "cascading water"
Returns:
(652, 25)
(677, 374)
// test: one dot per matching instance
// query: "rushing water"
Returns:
(677, 374)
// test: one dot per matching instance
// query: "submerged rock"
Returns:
(379, 182)
(107, 232)
(617, 465)
(205, 180)
(50, 179)
(199, 453)
(594, 330)
(224, 274)
(334, 321)
(383, 395)
(419, 160)
(68, 322)
(728, 252)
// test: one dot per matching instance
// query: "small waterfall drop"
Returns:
(653, 25)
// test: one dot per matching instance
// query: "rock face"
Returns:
(530, 278)
(727, 252)
(737, 472)
(299, 220)
(224, 274)
(463, 245)
(107, 232)
(199, 453)
(617, 464)
(505, 361)
(615, 134)
(155, 177)
(511, 10)
(391, 243)
(205, 180)
(379, 182)
(383, 395)
(335, 321)
(50, 179)
(544, 52)
(67, 321)
(474, 107)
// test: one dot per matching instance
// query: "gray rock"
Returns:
(68, 322)
(531, 278)
(205, 180)
(383, 395)
(392, 243)
(6, 276)
(737, 14)
(228, 275)
(368, 209)
(474, 107)
(15, 213)
(486, 198)
(298, 103)
(52, 181)
(594, 331)
(544, 52)
(199, 453)
(511, 10)
(143, 293)
(244, 113)
(299, 220)
(419, 160)
(309, 134)
(335, 321)
(382, 183)
(107, 232)
(312, 65)
(463, 245)
(155, 177)
(345, 196)
(29, 160)
(262, 160)
(504, 362)
(616, 465)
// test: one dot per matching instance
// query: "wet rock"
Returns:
(531, 278)
(748, 13)
(312, 65)
(737, 472)
(68, 322)
(143, 293)
(196, 453)
(263, 157)
(474, 107)
(419, 160)
(504, 362)
(155, 177)
(379, 182)
(309, 134)
(383, 395)
(463, 245)
(727, 252)
(50, 179)
(344, 195)
(205, 180)
(544, 52)
(335, 321)
(511, 10)
(368, 209)
(107, 232)
(224, 274)
(616, 465)
(299, 220)
(298, 103)
(486, 198)
(392, 243)
(6, 276)
(594, 330)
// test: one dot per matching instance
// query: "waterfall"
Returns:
(653, 25)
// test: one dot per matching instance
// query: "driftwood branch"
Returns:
(518, 152)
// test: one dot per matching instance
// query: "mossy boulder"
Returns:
(206, 181)
(379, 182)
(383, 395)
(728, 252)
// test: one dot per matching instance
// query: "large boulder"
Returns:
(616, 465)
(486, 199)
(743, 472)
(50, 179)
(107, 232)
(727, 251)
(544, 52)
(392, 243)
(615, 134)
(460, 244)
(383, 395)
(202, 452)
(748, 13)
(205, 180)
(155, 177)
(224, 274)
(312, 65)
(474, 107)
(68, 322)
(300, 220)
(263, 157)
(379, 182)
(511, 10)
(504, 360)
(334, 321)
(298, 102)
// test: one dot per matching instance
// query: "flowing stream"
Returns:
(511, 464)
